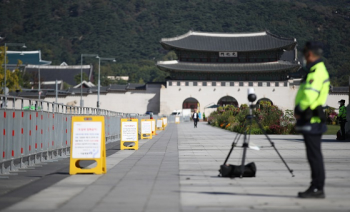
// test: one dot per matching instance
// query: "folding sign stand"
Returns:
(129, 133)
(165, 122)
(146, 128)
(88, 143)
(153, 127)
(177, 119)
(160, 125)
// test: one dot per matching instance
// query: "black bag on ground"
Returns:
(235, 171)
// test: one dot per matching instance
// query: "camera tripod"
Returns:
(248, 123)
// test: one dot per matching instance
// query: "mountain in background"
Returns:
(130, 30)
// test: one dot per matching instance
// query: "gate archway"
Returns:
(264, 100)
(190, 103)
(227, 100)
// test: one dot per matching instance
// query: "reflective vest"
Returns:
(313, 90)
(342, 112)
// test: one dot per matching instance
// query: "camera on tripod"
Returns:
(249, 170)
(251, 95)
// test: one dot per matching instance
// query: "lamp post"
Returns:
(39, 83)
(5, 51)
(99, 81)
(81, 75)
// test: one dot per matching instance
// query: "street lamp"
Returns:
(81, 75)
(99, 81)
(5, 51)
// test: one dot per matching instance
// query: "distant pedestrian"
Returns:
(342, 118)
(311, 120)
(195, 118)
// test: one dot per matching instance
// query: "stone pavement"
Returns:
(177, 171)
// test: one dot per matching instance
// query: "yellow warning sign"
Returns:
(153, 126)
(177, 119)
(160, 125)
(88, 143)
(165, 122)
(129, 134)
(146, 128)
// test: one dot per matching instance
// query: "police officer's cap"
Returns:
(342, 101)
(314, 46)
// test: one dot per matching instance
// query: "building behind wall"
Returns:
(217, 68)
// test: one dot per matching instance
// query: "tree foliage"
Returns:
(130, 30)
(77, 78)
(13, 78)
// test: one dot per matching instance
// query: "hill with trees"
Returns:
(130, 30)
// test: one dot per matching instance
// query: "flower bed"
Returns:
(273, 120)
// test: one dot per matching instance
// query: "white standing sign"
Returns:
(129, 131)
(159, 123)
(165, 121)
(177, 119)
(146, 127)
(153, 125)
(87, 139)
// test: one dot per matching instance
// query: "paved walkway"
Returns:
(177, 171)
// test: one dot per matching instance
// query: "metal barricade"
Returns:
(33, 131)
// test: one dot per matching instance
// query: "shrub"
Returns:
(220, 109)
(238, 128)
(276, 129)
(241, 116)
(256, 131)
(243, 106)
(271, 117)
(290, 129)
(267, 129)
(212, 119)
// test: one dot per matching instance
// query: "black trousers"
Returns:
(195, 122)
(342, 128)
(315, 158)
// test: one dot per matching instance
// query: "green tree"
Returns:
(12, 77)
(77, 78)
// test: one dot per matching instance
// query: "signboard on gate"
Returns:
(146, 128)
(228, 54)
(88, 143)
(129, 133)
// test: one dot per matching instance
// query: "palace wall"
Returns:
(133, 101)
(172, 97)
(164, 99)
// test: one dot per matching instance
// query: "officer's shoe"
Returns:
(312, 193)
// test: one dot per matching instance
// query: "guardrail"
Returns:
(35, 130)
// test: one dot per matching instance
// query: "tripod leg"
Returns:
(273, 145)
(245, 146)
(235, 141)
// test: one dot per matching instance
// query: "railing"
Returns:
(35, 130)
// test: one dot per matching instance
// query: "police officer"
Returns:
(342, 118)
(310, 117)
